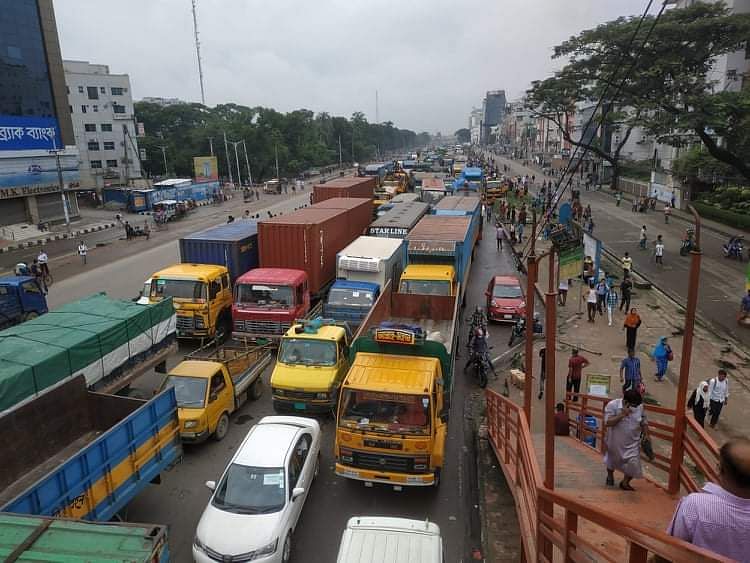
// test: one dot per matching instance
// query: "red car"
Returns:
(505, 299)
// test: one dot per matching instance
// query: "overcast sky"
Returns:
(429, 60)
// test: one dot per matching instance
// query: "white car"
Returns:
(254, 509)
(376, 539)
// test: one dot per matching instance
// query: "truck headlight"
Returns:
(191, 423)
(321, 396)
(421, 463)
(279, 392)
(199, 322)
(346, 455)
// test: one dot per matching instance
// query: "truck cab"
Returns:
(268, 300)
(21, 299)
(428, 279)
(312, 361)
(202, 297)
(350, 301)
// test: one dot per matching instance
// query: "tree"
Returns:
(463, 135)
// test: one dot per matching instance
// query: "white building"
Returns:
(475, 125)
(101, 106)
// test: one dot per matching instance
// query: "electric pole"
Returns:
(164, 156)
(377, 113)
(61, 184)
(237, 161)
(247, 163)
(229, 162)
(341, 159)
(276, 151)
(198, 52)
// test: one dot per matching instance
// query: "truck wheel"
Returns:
(30, 315)
(222, 428)
(436, 482)
(223, 329)
(256, 389)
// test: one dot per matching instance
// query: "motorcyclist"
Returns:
(22, 269)
(733, 247)
(480, 349)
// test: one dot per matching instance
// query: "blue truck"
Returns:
(92, 452)
(233, 245)
(21, 299)
(474, 177)
(466, 204)
(362, 270)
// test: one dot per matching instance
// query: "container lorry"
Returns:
(21, 299)
(110, 342)
(213, 382)
(439, 255)
(202, 298)
(359, 212)
(363, 269)
(38, 538)
(350, 186)
(233, 245)
(399, 220)
(468, 205)
(92, 453)
(393, 409)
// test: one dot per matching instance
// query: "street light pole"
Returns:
(164, 156)
(531, 275)
(237, 161)
(247, 164)
(229, 162)
(61, 184)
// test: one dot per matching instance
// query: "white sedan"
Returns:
(255, 507)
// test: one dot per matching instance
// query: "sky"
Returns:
(430, 61)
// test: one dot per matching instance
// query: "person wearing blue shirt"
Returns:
(630, 371)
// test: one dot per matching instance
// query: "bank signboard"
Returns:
(29, 133)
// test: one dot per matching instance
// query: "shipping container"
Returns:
(349, 186)
(233, 245)
(397, 222)
(359, 212)
(460, 205)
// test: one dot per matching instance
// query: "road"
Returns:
(722, 281)
(179, 500)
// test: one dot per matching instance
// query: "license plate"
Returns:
(299, 406)
(507, 316)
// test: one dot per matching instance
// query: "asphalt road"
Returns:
(181, 497)
(722, 282)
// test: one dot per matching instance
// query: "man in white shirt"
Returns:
(42, 258)
(627, 264)
(659, 251)
(83, 251)
(718, 395)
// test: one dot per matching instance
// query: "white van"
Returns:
(374, 539)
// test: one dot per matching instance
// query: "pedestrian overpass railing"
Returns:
(556, 526)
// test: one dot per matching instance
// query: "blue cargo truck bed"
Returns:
(93, 453)
(234, 245)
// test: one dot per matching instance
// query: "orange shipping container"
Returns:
(348, 186)
(359, 212)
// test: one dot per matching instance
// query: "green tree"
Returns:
(463, 135)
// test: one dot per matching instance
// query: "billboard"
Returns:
(31, 175)
(205, 168)
(29, 133)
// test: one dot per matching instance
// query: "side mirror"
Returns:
(297, 492)
(487, 293)
(444, 417)
(211, 485)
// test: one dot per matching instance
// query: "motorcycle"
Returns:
(688, 242)
(733, 248)
(518, 330)
(477, 322)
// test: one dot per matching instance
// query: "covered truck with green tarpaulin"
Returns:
(108, 341)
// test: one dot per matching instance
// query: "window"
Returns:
(116, 108)
(30, 287)
(95, 164)
(80, 89)
(89, 127)
(117, 91)
(93, 92)
(112, 163)
(103, 90)
(67, 89)
(71, 109)
(225, 281)
(84, 109)
(217, 384)
(95, 107)
(214, 289)
(93, 145)
(106, 126)
(297, 461)
(109, 145)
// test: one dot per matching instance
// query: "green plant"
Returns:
(731, 218)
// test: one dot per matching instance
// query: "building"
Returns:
(164, 102)
(475, 125)
(103, 122)
(37, 144)
(493, 110)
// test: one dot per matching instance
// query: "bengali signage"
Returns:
(205, 168)
(571, 263)
(29, 133)
(395, 336)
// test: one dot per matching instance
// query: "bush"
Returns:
(730, 218)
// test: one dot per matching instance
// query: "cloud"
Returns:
(430, 61)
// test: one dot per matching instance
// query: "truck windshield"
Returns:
(190, 391)
(262, 295)
(302, 351)
(189, 290)
(251, 490)
(350, 297)
(426, 287)
(386, 412)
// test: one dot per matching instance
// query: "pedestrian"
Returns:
(744, 308)
(699, 402)
(230, 219)
(642, 238)
(562, 426)
(717, 518)
(667, 212)
(512, 233)
(662, 355)
(626, 421)
(718, 396)
(630, 372)
(246, 216)
(591, 300)
(82, 251)
(590, 226)
(612, 299)
(542, 371)
(618, 198)
(626, 289)
(43, 262)
(489, 211)
(562, 291)
(634, 206)
(672, 200)
(519, 232)
(500, 235)
(627, 265)
(631, 324)
(576, 363)
(601, 296)
(659, 251)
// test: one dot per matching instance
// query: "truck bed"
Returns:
(440, 330)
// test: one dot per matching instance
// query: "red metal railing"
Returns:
(552, 524)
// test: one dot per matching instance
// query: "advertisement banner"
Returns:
(29, 133)
(593, 247)
(570, 263)
(22, 176)
(206, 168)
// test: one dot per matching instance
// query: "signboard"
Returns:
(205, 168)
(140, 129)
(593, 247)
(395, 336)
(25, 176)
(388, 232)
(598, 384)
(570, 263)
(29, 133)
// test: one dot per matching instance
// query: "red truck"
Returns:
(349, 186)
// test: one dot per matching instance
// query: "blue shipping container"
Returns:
(234, 245)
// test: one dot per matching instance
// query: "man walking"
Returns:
(630, 371)
(601, 296)
(718, 396)
(612, 299)
(83, 251)
(576, 364)
(626, 287)
(667, 212)
(659, 251)
(627, 265)
(500, 235)
(642, 239)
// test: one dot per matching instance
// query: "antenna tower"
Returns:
(198, 52)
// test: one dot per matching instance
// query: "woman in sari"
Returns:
(625, 422)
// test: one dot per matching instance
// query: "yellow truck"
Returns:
(213, 382)
(312, 361)
(202, 297)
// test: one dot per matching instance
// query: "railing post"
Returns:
(571, 527)
(638, 553)
(678, 447)
(506, 417)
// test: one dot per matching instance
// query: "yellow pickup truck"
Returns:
(213, 382)
(202, 297)
(311, 363)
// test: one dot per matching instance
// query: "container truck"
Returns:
(110, 342)
(393, 409)
(439, 254)
(233, 245)
(469, 205)
(21, 299)
(213, 382)
(39, 538)
(398, 221)
(92, 453)
(350, 186)
(363, 269)
(359, 212)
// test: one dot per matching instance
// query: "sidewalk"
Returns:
(59, 232)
